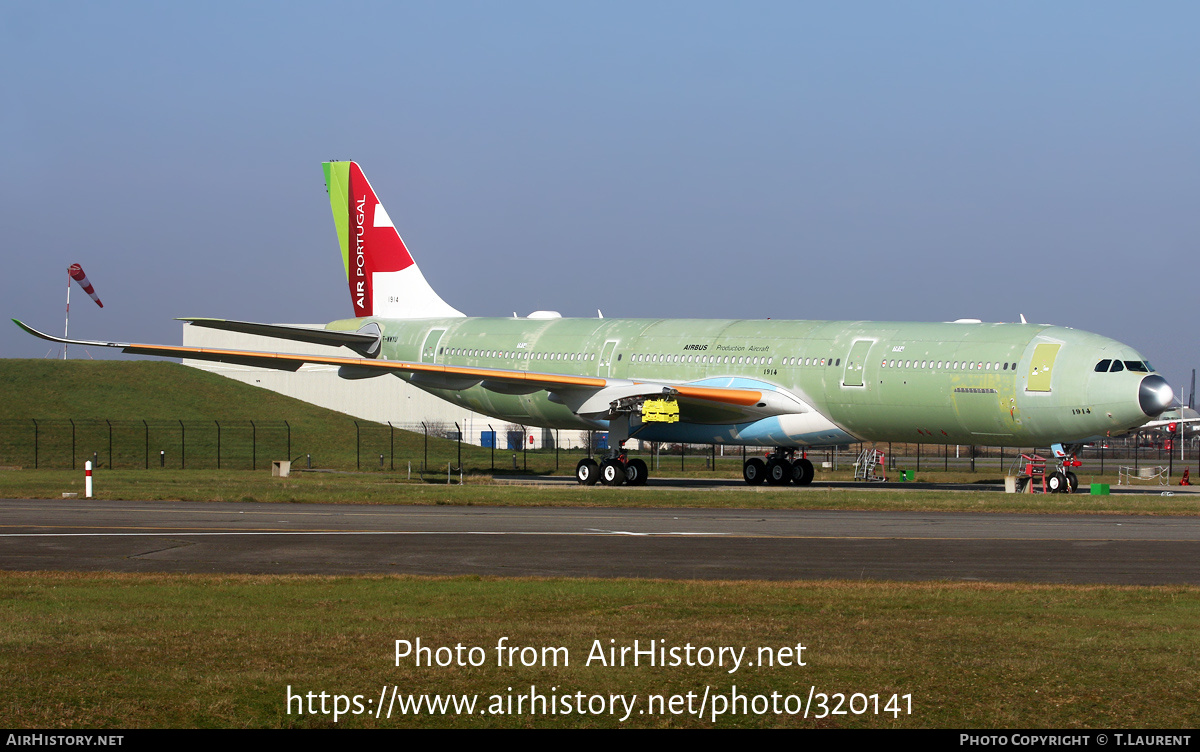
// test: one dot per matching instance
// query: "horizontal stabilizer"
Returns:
(363, 342)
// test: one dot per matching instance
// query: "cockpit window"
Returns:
(1102, 366)
(1136, 365)
(1149, 367)
(1116, 366)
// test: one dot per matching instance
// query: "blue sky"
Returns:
(894, 161)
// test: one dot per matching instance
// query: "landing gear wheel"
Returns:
(636, 473)
(803, 472)
(587, 472)
(1056, 483)
(779, 471)
(612, 472)
(754, 471)
(1073, 480)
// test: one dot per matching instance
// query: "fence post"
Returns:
(106, 420)
(357, 448)
(182, 446)
(288, 426)
(35, 443)
(459, 429)
(218, 443)
(147, 427)
(72, 443)
(425, 462)
(557, 441)
(493, 432)
(391, 446)
(525, 448)
(253, 446)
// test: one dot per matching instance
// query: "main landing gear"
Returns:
(780, 468)
(612, 471)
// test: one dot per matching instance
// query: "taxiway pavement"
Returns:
(132, 536)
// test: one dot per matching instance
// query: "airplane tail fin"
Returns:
(383, 278)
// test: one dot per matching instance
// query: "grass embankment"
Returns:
(94, 650)
(163, 394)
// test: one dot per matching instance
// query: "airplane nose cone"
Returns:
(1155, 395)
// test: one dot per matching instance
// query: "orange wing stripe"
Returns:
(742, 397)
(394, 365)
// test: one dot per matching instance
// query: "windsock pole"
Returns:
(67, 326)
(75, 272)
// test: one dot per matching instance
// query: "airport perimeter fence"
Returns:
(175, 444)
(443, 450)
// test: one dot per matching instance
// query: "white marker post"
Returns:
(87, 479)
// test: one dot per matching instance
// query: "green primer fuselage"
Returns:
(948, 383)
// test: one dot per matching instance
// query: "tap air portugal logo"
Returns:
(377, 246)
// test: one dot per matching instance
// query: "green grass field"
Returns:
(96, 650)
(479, 490)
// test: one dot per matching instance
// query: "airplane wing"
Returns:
(587, 396)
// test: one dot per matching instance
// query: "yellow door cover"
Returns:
(1040, 368)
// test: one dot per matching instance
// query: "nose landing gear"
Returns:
(1064, 480)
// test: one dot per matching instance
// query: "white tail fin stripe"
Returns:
(381, 217)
